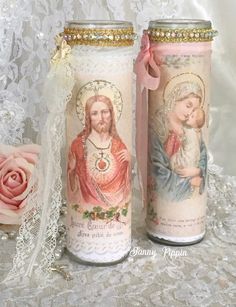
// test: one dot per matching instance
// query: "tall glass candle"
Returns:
(178, 117)
(99, 141)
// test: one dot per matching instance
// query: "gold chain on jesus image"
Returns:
(99, 167)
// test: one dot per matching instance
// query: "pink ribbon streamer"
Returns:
(144, 82)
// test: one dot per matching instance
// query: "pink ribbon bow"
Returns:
(143, 62)
(144, 81)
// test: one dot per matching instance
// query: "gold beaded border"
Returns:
(181, 35)
(99, 37)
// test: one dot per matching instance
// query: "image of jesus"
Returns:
(99, 168)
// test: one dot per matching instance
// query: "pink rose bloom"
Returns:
(16, 167)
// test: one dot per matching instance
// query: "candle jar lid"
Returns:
(99, 33)
(181, 30)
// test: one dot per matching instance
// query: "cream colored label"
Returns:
(94, 239)
(177, 169)
(99, 167)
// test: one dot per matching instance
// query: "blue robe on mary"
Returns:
(169, 185)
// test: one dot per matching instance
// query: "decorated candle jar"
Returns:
(178, 59)
(99, 141)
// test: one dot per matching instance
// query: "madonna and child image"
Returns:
(99, 167)
(177, 151)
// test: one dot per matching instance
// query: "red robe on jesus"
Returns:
(84, 187)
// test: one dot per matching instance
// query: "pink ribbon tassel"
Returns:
(144, 82)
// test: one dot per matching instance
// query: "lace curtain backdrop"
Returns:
(207, 276)
(27, 36)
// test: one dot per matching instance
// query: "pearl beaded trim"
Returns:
(181, 35)
(100, 37)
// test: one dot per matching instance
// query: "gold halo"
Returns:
(184, 77)
(99, 87)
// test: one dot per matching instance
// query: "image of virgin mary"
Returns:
(170, 119)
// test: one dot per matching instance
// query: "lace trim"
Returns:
(37, 236)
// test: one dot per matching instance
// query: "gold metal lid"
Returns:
(181, 30)
(99, 33)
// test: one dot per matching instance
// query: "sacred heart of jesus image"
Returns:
(99, 166)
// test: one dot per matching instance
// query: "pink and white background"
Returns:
(207, 276)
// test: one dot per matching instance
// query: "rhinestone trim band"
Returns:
(100, 37)
(181, 35)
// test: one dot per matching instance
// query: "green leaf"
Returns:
(97, 209)
(110, 214)
(124, 212)
(86, 214)
(113, 209)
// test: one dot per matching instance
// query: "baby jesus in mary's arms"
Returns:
(184, 160)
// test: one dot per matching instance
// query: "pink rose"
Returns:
(16, 167)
